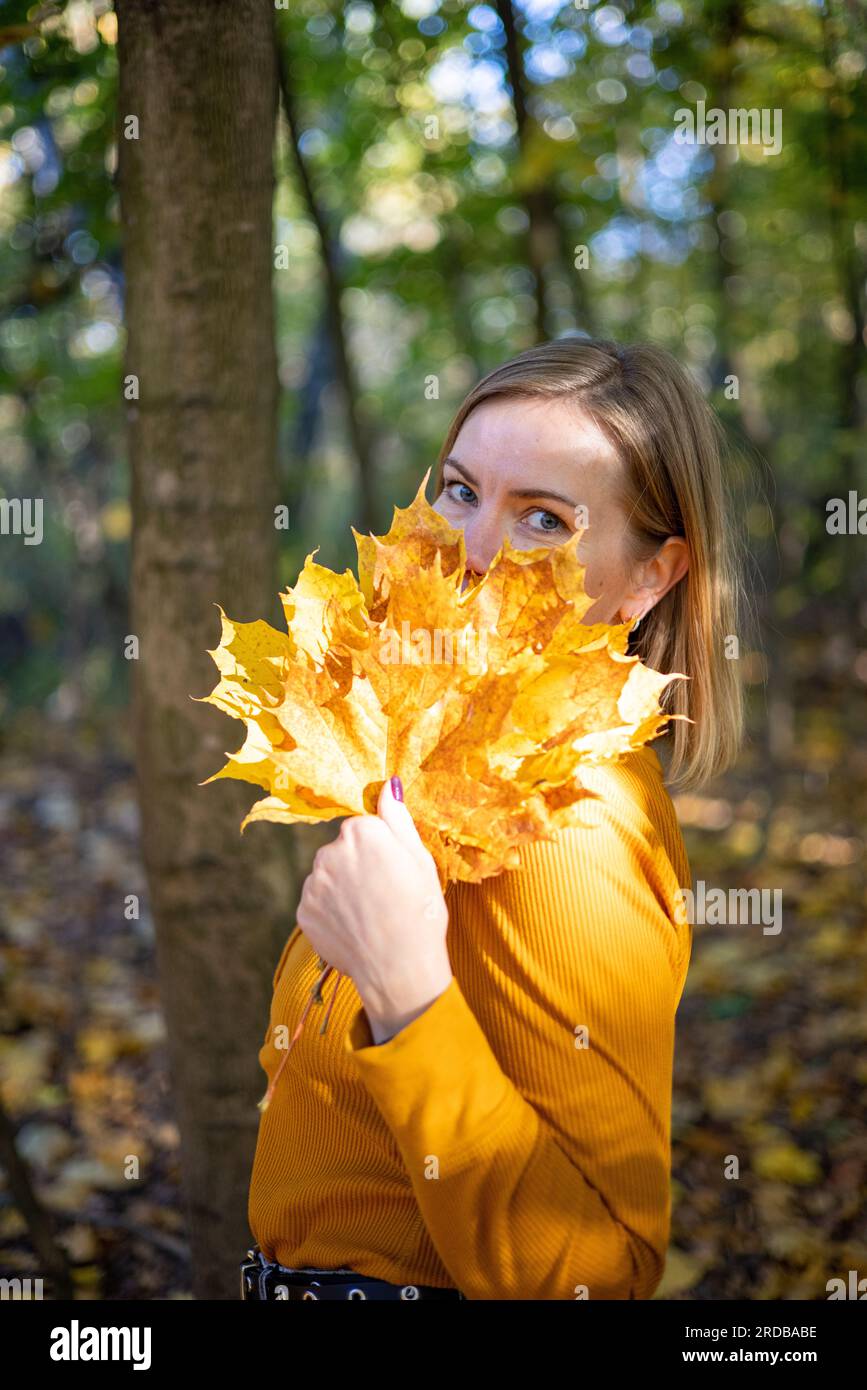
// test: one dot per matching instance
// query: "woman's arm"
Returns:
(542, 1169)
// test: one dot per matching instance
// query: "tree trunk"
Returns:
(359, 434)
(196, 191)
(543, 233)
(842, 201)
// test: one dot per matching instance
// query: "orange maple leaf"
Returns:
(485, 703)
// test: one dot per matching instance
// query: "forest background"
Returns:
(252, 255)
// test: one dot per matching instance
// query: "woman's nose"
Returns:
(482, 538)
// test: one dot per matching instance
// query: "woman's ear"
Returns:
(671, 562)
(657, 575)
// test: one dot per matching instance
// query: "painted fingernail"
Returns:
(397, 788)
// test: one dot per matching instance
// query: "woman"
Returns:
(488, 1115)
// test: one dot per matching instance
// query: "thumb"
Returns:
(398, 818)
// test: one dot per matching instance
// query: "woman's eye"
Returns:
(551, 517)
(456, 483)
(550, 527)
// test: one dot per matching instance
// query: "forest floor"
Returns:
(769, 1130)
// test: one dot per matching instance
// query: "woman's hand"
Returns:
(372, 907)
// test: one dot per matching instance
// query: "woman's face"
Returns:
(510, 459)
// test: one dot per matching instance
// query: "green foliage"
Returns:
(746, 265)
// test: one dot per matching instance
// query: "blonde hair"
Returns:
(674, 452)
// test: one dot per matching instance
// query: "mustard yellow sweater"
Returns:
(513, 1140)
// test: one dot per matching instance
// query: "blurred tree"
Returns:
(356, 427)
(197, 107)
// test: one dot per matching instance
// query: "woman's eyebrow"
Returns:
(517, 491)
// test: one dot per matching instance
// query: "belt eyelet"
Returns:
(308, 1293)
(356, 1293)
(409, 1291)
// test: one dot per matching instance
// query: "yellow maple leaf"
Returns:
(486, 702)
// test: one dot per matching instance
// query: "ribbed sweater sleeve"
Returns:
(536, 1130)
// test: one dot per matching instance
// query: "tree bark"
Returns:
(196, 193)
(359, 434)
(838, 31)
(543, 233)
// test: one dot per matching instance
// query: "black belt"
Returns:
(263, 1279)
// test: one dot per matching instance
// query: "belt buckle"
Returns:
(251, 1268)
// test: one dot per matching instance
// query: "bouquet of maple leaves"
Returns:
(489, 747)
